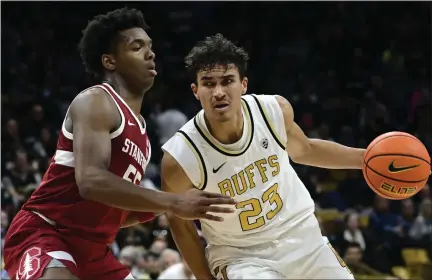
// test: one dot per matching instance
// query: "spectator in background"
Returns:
(353, 258)
(128, 256)
(352, 232)
(4, 226)
(158, 246)
(177, 271)
(152, 266)
(387, 226)
(11, 140)
(21, 180)
(408, 215)
(168, 123)
(45, 146)
(169, 257)
(422, 226)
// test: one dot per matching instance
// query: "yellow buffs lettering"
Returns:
(273, 162)
(246, 179)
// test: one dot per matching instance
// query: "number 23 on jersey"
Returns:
(254, 218)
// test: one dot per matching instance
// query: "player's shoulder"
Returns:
(90, 95)
(269, 102)
(93, 103)
(264, 99)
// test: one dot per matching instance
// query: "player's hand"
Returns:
(196, 204)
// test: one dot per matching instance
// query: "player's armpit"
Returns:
(184, 232)
(316, 152)
(298, 144)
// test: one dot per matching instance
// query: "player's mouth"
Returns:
(221, 106)
(152, 70)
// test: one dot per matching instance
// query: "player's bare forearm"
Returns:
(191, 247)
(131, 220)
(327, 154)
(103, 186)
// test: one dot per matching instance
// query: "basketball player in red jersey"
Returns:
(90, 189)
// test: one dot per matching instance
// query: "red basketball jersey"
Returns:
(58, 198)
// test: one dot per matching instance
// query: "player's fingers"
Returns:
(221, 200)
(217, 209)
(229, 199)
(211, 217)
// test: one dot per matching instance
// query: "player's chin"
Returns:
(147, 82)
(222, 116)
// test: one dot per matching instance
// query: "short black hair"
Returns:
(151, 254)
(99, 37)
(216, 50)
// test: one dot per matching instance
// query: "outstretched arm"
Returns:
(185, 234)
(316, 152)
(93, 118)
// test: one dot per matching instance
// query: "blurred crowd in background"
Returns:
(351, 70)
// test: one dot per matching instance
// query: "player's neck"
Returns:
(226, 132)
(132, 95)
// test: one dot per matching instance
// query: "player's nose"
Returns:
(150, 55)
(218, 92)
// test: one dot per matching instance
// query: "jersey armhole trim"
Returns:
(268, 122)
(117, 132)
(198, 157)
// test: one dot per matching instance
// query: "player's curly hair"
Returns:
(216, 50)
(99, 37)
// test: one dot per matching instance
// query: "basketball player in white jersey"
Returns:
(240, 145)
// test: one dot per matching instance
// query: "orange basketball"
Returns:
(396, 165)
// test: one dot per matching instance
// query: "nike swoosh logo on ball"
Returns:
(394, 169)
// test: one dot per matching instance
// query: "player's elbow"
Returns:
(86, 180)
(300, 153)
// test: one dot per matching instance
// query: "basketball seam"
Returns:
(374, 189)
(402, 135)
(397, 154)
(397, 180)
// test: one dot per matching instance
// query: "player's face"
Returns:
(134, 59)
(219, 91)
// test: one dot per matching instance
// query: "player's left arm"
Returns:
(316, 152)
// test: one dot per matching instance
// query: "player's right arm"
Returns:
(94, 116)
(184, 232)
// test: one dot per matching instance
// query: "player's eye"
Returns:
(136, 48)
(227, 82)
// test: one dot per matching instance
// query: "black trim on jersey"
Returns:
(233, 154)
(204, 184)
(267, 122)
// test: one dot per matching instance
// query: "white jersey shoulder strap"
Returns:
(271, 112)
(185, 151)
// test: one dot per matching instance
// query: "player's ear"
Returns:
(108, 62)
(244, 85)
(194, 88)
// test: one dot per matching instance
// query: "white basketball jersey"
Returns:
(272, 199)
